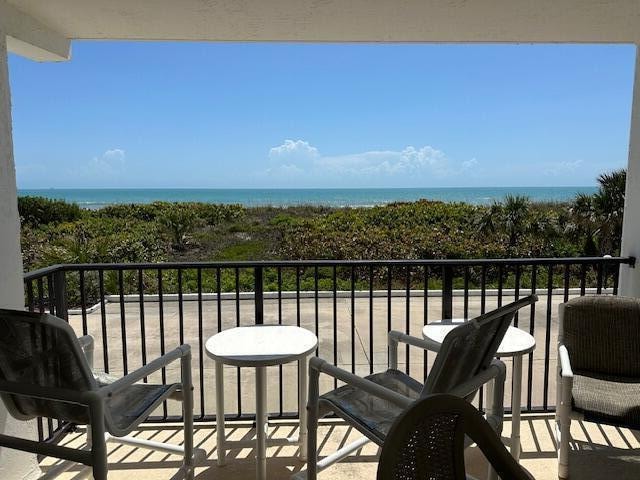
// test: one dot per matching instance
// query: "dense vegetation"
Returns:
(59, 232)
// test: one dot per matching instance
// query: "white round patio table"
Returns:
(516, 343)
(261, 346)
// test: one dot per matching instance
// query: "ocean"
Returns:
(338, 197)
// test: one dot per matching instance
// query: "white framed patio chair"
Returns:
(598, 366)
(464, 363)
(46, 371)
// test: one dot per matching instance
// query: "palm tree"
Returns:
(511, 218)
(609, 203)
(516, 217)
(598, 218)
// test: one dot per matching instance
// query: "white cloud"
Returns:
(561, 168)
(292, 150)
(469, 164)
(110, 164)
(299, 157)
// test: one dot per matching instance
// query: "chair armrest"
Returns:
(87, 344)
(182, 352)
(565, 363)
(395, 337)
(322, 366)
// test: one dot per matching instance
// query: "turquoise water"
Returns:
(339, 197)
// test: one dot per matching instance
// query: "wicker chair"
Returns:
(463, 364)
(599, 366)
(45, 371)
(428, 441)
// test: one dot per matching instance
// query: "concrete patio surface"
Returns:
(598, 452)
(367, 353)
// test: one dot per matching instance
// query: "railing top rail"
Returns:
(330, 263)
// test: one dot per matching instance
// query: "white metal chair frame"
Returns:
(101, 429)
(493, 378)
(565, 412)
(492, 375)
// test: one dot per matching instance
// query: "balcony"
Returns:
(136, 312)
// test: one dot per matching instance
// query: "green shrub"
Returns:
(179, 220)
(36, 211)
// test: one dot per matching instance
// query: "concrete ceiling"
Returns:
(341, 20)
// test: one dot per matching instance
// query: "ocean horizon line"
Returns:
(282, 197)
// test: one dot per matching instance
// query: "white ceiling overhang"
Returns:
(513, 21)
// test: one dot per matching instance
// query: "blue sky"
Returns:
(285, 115)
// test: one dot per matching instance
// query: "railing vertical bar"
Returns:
(200, 342)
(483, 306)
(465, 307)
(123, 322)
(616, 272)
(280, 384)
(40, 295)
(447, 292)
(30, 299)
(180, 307)
(163, 371)
(425, 319)
(316, 304)
(238, 377)
(298, 296)
(547, 339)
(599, 277)
(483, 289)
(500, 284)
(83, 302)
(335, 321)
(371, 351)
(353, 319)
(566, 284)
(583, 279)
(532, 325)
(389, 285)
(407, 314)
(279, 272)
(51, 295)
(219, 298)
(516, 296)
(143, 335)
(40, 429)
(103, 320)
(258, 294)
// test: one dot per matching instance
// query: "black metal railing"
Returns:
(138, 311)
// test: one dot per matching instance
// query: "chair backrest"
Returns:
(470, 348)
(602, 334)
(42, 350)
(427, 442)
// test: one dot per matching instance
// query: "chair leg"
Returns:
(563, 428)
(312, 424)
(187, 412)
(98, 440)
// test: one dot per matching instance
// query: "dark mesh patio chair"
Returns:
(598, 367)
(427, 441)
(45, 371)
(464, 363)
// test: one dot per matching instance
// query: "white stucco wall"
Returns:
(13, 464)
(630, 277)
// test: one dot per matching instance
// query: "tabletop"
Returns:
(515, 341)
(261, 345)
